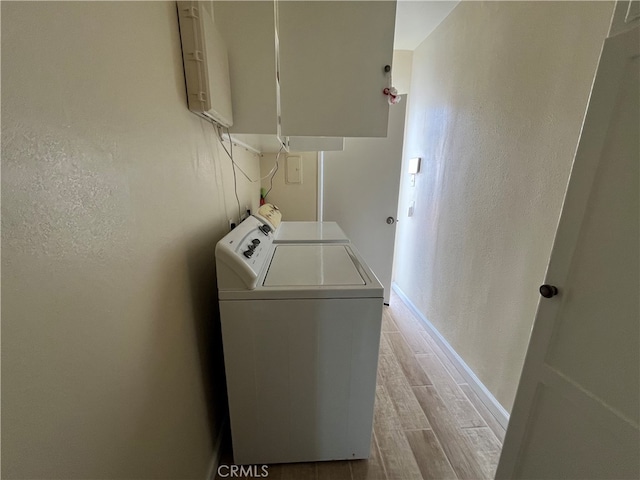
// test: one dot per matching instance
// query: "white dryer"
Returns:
(299, 232)
(301, 331)
(309, 232)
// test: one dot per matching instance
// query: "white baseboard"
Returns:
(485, 396)
(217, 452)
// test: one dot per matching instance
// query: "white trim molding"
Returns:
(320, 191)
(217, 452)
(489, 401)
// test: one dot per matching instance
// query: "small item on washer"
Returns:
(270, 214)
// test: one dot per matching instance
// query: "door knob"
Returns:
(548, 291)
(391, 220)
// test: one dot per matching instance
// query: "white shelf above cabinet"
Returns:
(259, 143)
(316, 144)
(271, 143)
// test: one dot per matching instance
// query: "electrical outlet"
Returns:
(232, 224)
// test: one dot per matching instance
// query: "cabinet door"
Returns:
(626, 16)
(332, 58)
(248, 29)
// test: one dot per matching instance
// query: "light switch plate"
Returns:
(294, 169)
(414, 165)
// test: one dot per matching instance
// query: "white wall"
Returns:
(297, 202)
(497, 98)
(113, 197)
(402, 64)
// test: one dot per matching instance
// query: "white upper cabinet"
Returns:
(248, 30)
(332, 59)
(626, 16)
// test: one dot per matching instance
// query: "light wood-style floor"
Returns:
(428, 422)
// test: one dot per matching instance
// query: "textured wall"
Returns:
(113, 196)
(297, 202)
(497, 98)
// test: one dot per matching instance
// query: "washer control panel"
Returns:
(243, 253)
(251, 247)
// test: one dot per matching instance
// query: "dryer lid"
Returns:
(313, 265)
(310, 232)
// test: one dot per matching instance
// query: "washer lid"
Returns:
(313, 265)
(309, 232)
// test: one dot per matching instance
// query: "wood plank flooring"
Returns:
(428, 422)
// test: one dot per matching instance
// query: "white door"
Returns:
(577, 407)
(361, 187)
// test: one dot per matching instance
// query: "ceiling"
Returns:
(416, 19)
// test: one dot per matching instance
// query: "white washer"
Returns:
(301, 331)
